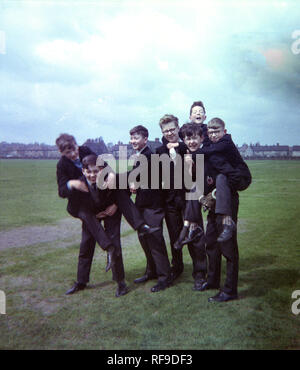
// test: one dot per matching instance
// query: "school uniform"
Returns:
(80, 205)
(225, 158)
(92, 203)
(174, 205)
(150, 204)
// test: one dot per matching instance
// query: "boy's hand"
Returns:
(78, 185)
(172, 145)
(189, 162)
(208, 202)
(132, 188)
(109, 211)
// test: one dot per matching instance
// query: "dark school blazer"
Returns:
(65, 171)
(226, 159)
(147, 198)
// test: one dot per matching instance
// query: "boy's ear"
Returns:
(225, 131)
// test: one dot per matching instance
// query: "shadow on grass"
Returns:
(260, 274)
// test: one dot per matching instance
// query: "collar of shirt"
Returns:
(140, 151)
(77, 163)
(93, 186)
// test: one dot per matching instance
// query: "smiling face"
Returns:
(91, 173)
(197, 115)
(170, 131)
(138, 141)
(71, 152)
(215, 134)
(193, 142)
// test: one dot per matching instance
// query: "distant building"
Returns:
(96, 145)
(270, 151)
(44, 151)
(258, 151)
(295, 152)
(154, 144)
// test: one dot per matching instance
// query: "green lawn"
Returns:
(35, 277)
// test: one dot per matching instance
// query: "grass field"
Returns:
(38, 259)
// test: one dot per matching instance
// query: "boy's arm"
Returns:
(219, 147)
(210, 148)
(65, 184)
(62, 181)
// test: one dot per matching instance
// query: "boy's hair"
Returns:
(92, 160)
(216, 123)
(65, 141)
(89, 160)
(197, 104)
(190, 129)
(167, 118)
(139, 130)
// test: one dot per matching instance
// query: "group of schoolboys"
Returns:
(225, 173)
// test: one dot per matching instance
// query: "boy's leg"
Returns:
(198, 254)
(86, 254)
(224, 208)
(131, 212)
(174, 221)
(229, 250)
(150, 271)
(85, 258)
(112, 226)
(95, 228)
(223, 196)
(155, 244)
(213, 252)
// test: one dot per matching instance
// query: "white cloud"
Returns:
(80, 65)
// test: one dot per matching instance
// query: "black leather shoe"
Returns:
(110, 258)
(146, 230)
(76, 288)
(206, 286)
(198, 284)
(144, 278)
(159, 286)
(193, 235)
(222, 297)
(122, 290)
(183, 234)
(227, 233)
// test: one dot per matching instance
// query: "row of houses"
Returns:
(43, 151)
(269, 151)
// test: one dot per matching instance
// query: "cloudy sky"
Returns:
(98, 68)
